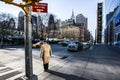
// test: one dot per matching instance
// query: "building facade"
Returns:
(99, 22)
(116, 28)
(75, 28)
(70, 21)
(70, 32)
(81, 21)
(112, 11)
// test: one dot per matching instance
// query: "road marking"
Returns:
(91, 48)
(3, 68)
(16, 76)
(11, 48)
(10, 71)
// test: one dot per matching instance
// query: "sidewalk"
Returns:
(61, 68)
(64, 70)
(13, 66)
(80, 69)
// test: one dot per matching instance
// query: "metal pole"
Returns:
(28, 47)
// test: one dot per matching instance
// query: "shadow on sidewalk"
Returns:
(66, 76)
(114, 48)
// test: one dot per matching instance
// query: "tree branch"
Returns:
(19, 5)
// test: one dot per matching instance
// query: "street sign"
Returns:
(40, 7)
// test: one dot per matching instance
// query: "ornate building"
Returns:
(81, 21)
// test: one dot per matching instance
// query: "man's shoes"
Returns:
(45, 70)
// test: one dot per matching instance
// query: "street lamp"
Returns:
(28, 33)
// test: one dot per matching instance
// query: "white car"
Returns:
(65, 43)
(75, 46)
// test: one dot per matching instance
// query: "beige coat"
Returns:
(45, 53)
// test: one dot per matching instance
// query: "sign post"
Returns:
(28, 47)
(40, 7)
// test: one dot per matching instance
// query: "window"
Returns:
(118, 39)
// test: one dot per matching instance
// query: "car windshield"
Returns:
(73, 42)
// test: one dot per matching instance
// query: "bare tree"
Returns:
(51, 25)
(40, 27)
(21, 21)
(5, 21)
(34, 26)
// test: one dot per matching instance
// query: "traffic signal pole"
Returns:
(28, 47)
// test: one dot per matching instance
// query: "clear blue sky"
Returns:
(63, 9)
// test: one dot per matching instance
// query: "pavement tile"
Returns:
(94, 75)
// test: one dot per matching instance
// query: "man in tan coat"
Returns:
(45, 54)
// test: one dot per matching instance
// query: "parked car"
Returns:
(37, 45)
(117, 43)
(65, 43)
(75, 46)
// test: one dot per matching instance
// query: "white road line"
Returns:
(16, 76)
(1, 74)
(3, 67)
(91, 48)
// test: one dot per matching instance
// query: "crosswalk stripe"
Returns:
(1, 74)
(16, 76)
(91, 48)
(3, 67)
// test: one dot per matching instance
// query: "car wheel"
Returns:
(77, 49)
(68, 50)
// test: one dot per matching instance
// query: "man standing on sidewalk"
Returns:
(45, 54)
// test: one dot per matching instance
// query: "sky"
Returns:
(63, 9)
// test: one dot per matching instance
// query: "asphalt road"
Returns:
(99, 62)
